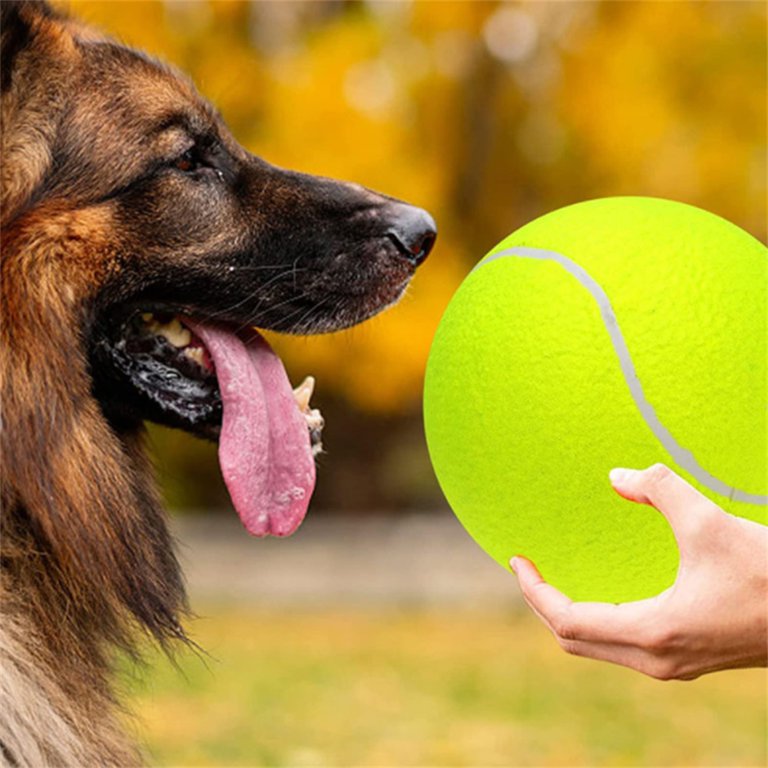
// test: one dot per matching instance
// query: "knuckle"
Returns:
(663, 669)
(569, 646)
(663, 643)
(656, 640)
(705, 518)
(658, 474)
(564, 626)
(659, 638)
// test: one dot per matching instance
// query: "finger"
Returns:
(622, 625)
(516, 566)
(631, 657)
(601, 631)
(542, 598)
(679, 502)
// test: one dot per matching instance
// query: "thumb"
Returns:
(680, 503)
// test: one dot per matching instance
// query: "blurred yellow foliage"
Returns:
(677, 103)
(328, 687)
(488, 114)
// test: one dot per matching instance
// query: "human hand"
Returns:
(715, 615)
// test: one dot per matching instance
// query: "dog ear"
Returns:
(18, 21)
(37, 55)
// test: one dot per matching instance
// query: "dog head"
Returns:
(134, 220)
(141, 244)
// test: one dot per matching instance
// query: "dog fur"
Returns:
(121, 186)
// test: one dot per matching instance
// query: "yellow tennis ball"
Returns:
(616, 332)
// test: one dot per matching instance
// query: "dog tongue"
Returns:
(264, 448)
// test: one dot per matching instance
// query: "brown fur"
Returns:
(79, 514)
(74, 522)
(97, 213)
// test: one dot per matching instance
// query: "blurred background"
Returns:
(379, 634)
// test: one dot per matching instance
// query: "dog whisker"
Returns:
(295, 270)
(330, 316)
(259, 268)
(253, 295)
(256, 317)
(304, 320)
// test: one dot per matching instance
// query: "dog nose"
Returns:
(413, 231)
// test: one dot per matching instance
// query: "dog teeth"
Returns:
(313, 417)
(315, 424)
(303, 393)
(196, 354)
(172, 331)
(175, 333)
(315, 420)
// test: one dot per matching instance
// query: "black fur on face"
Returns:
(199, 227)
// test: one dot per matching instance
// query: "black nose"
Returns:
(413, 231)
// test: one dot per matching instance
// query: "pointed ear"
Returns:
(37, 55)
(18, 20)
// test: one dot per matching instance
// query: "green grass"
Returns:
(395, 689)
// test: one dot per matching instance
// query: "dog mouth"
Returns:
(227, 384)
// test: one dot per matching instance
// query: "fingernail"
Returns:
(513, 564)
(619, 475)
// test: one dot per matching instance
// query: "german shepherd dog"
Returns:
(140, 246)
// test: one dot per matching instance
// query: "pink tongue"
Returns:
(264, 448)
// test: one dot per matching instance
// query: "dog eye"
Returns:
(193, 162)
(188, 162)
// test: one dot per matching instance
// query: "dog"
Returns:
(140, 246)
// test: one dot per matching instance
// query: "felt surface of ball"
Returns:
(615, 332)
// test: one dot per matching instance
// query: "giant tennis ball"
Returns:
(615, 332)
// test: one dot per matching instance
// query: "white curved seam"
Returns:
(681, 455)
